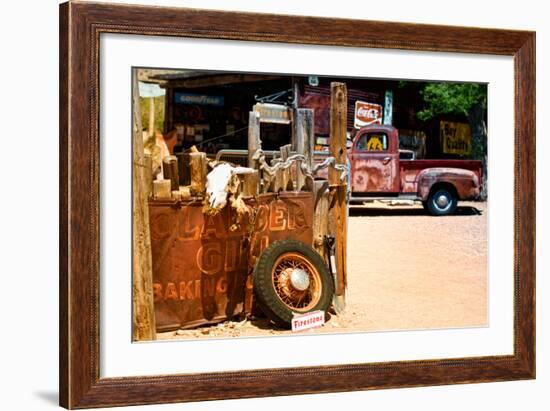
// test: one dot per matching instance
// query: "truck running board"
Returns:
(360, 200)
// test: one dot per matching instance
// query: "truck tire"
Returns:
(291, 278)
(441, 202)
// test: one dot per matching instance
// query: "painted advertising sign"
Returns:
(367, 113)
(273, 113)
(456, 138)
(201, 264)
(314, 319)
(198, 99)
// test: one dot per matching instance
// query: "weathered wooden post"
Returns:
(162, 189)
(254, 142)
(148, 162)
(251, 184)
(199, 170)
(320, 217)
(171, 172)
(303, 141)
(338, 213)
(277, 183)
(184, 171)
(151, 129)
(286, 178)
(142, 296)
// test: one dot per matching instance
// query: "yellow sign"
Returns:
(374, 144)
(456, 138)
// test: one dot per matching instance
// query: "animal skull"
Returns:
(220, 182)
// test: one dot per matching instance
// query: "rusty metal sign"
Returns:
(367, 113)
(201, 268)
(456, 138)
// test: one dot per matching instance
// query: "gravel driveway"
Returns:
(406, 270)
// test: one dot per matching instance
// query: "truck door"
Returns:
(374, 164)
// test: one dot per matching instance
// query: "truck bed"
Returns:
(409, 169)
(417, 165)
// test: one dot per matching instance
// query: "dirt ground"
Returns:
(406, 270)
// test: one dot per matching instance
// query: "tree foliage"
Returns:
(452, 98)
(159, 112)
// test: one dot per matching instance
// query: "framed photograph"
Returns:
(256, 205)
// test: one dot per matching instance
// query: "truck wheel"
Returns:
(441, 202)
(291, 278)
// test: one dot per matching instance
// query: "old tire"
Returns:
(441, 201)
(291, 278)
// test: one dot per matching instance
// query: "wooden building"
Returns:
(210, 108)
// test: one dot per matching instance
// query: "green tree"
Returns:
(460, 98)
(159, 112)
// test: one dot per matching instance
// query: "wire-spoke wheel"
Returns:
(290, 277)
(297, 282)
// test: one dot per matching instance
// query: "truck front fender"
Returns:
(465, 182)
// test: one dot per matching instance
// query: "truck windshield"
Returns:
(373, 142)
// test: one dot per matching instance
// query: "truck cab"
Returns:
(374, 161)
(377, 172)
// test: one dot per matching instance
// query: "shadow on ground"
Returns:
(359, 211)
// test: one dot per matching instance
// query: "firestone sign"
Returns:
(314, 319)
(367, 113)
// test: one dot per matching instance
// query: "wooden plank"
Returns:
(338, 116)
(185, 192)
(162, 188)
(304, 137)
(286, 181)
(148, 173)
(168, 110)
(184, 169)
(320, 217)
(198, 164)
(251, 184)
(254, 142)
(142, 296)
(304, 132)
(170, 171)
(151, 128)
(277, 183)
(176, 194)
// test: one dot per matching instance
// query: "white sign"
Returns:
(301, 322)
(313, 81)
(367, 113)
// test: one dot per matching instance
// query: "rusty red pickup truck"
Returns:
(378, 173)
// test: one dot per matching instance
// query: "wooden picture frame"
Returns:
(80, 27)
